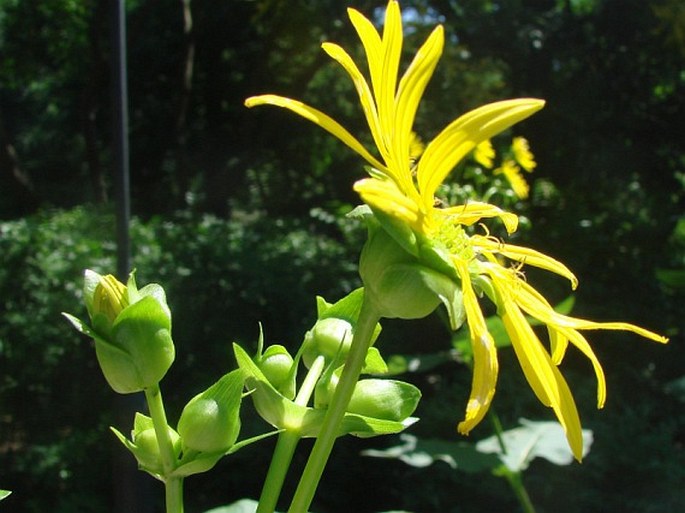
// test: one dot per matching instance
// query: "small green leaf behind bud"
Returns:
(210, 422)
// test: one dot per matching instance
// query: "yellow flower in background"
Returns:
(484, 154)
(522, 153)
(401, 193)
(512, 173)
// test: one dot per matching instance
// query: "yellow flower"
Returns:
(401, 194)
(522, 153)
(512, 173)
(484, 154)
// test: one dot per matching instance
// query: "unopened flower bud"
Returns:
(131, 329)
(210, 422)
(384, 399)
(147, 449)
(329, 337)
(276, 365)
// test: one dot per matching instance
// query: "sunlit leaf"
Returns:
(420, 453)
(534, 439)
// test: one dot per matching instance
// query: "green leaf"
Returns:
(534, 439)
(4, 494)
(366, 427)
(420, 453)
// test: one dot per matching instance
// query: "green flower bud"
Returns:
(147, 449)
(143, 444)
(330, 337)
(131, 329)
(276, 364)
(384, 399)
(210, 422)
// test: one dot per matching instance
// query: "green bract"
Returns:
(131, 329)
(210, 422)
(402, 285)
(384, 399)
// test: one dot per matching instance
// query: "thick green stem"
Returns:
(286, 444)
(309, 481)
(173, 485)
(173, 492)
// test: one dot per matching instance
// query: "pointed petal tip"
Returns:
(464, 428)
(252, 101)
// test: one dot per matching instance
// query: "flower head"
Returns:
(512, 172)
(441, 242)
(522, 153)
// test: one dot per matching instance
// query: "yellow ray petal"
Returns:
(541, 373)
(411, 88)
(567, 414)
(474, 211)
(365, 97)
(371, 41)
(485, 365)
(529, 300)
(526, 256)
(319, 118)
(462, 135)
(578, 340)
(385, 196)
(385, 89)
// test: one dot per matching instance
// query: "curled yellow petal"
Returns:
(526, 256)
(485, 365)
(319, 118)
(462, 135)
(385, 196)
(474, 211)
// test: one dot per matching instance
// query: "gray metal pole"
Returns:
(120, 137)
(131, 488)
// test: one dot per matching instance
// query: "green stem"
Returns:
(173, 492)
(516, 482)
(286, 444)
(173, 485)
(497, 426)
(309, 481)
